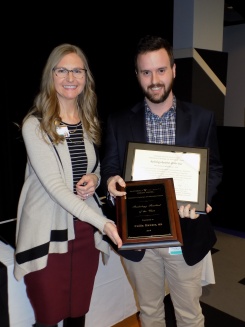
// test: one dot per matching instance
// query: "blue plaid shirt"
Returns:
(161, 129)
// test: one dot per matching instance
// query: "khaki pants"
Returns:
(184, 284)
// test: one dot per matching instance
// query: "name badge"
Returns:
(175, 250)
(63, 130)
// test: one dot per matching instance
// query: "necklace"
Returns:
(69, 140)
(75, 133)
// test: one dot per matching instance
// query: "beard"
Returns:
(158, 99)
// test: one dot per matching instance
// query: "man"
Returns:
(161, 118)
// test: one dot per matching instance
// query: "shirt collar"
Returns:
(172, 109)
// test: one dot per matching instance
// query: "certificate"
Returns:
(147, 216)
(188, 166)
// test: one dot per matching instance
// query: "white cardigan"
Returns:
(47, 202)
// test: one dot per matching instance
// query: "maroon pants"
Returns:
(64, 288)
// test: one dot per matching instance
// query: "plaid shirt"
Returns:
(161, 129)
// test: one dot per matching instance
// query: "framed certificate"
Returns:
(188, 166)
(147, 216)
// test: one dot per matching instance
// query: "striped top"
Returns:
(76, 148)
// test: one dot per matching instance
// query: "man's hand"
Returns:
(112, 188)
(188, 212)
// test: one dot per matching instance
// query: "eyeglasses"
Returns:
(63, 72)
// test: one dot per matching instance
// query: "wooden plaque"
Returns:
(147, 216)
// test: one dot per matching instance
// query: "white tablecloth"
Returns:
(208, 270)
(20, 310)
(113, 298)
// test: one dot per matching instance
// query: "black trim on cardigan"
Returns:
(42, 250)
(55, 150)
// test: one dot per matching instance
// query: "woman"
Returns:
(59, 233)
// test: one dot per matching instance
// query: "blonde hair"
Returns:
(46, 105)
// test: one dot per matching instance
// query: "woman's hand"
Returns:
(110, 230)
(86, 186)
